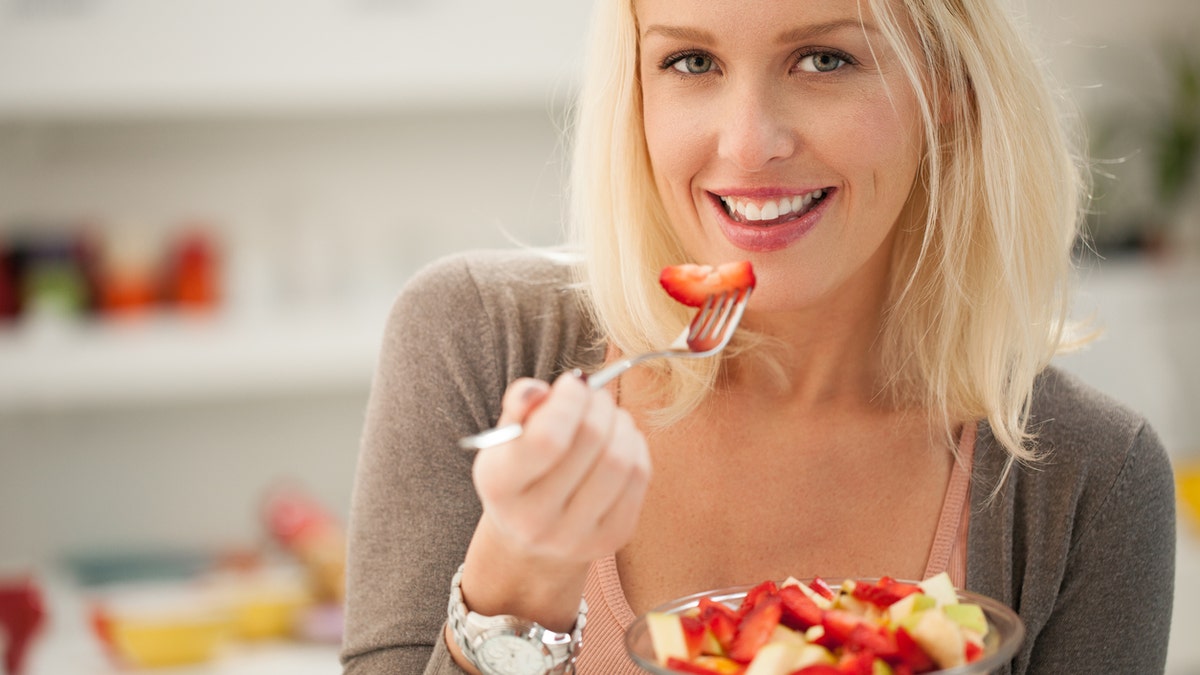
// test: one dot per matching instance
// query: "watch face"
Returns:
(511, 655)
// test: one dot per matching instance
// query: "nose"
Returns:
(758, 128)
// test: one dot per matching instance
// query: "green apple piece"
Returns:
(905, 607)
(710, 645)
(775, 658)
(940, 637)
(969, 616)
(851, 604)
(666, 635)
(940, 588)
(783, 634)
(812, 655)
(881, 667)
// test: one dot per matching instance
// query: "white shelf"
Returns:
(168, 359)
(136, 57)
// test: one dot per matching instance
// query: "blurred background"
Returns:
(206, 208)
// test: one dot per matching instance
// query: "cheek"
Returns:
(674, 142)
(890, 141)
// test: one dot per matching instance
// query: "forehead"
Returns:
(732, 16)
(765, 25)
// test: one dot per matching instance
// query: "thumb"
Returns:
(522, 396)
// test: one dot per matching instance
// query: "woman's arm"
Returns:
(1113, 610)
(414, 507)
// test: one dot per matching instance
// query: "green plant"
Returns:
(1175, 137)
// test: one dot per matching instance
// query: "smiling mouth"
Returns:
(766, 212)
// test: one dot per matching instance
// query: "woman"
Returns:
(894, 173)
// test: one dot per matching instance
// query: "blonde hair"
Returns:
(982, 262)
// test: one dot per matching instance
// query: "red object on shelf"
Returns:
(21, 617)
(193, 282)
(10, 296)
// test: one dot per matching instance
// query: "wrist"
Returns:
(507, 644)
(499, 579)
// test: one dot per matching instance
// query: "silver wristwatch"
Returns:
(508, 645)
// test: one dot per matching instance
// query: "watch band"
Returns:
(471, 630)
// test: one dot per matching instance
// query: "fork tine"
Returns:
(728, 303)
(703, 316)
(717, 310)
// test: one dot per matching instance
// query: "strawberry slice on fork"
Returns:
(692, 284)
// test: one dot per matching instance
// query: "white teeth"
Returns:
(770, 210)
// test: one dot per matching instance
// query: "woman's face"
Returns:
(783, 132)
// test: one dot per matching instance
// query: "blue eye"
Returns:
(822, 62)
(691, 64)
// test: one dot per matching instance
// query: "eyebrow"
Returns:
(795, 35)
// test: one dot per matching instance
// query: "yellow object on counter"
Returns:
(1187, 489)
(156, 643)
(267, 616)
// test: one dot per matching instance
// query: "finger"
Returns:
(521, 397)
(554, 422)
(617, 526)
(549, 430)
(612, 492)
(592, 436)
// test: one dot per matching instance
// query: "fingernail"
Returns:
(532, 391)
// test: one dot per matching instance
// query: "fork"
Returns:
(706, 335)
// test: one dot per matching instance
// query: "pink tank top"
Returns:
(609, 613)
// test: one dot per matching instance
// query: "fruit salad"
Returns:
(691, 284)
(883, 627)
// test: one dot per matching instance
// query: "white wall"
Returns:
(316, 210)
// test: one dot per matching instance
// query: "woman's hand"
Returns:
(568, 491)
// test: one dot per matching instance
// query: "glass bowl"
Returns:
(1006, 631)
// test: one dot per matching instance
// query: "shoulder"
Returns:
(520, 309)
(1082, 430)
(495, 286)
(1091, 450)
(492, 276)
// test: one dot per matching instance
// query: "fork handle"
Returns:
(508, 432)
(492, 437)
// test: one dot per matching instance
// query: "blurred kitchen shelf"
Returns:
(167, 359)
(145, 57)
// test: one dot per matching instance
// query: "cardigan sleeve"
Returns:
(1113, 610)
(458, 333)
(414, 507)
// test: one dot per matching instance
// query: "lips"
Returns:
(763, 223)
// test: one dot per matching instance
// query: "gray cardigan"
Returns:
(1082, 545)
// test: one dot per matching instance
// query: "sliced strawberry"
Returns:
(911, 654)
(799, 611)
(823, 589)
(839, 625)
(677, 664)
(973, 651)
(883, 592)
(720, 620)
(866, 638)
(691, 284)
(862, 663)
(693, 634)
(756, 595)
(756, 629)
